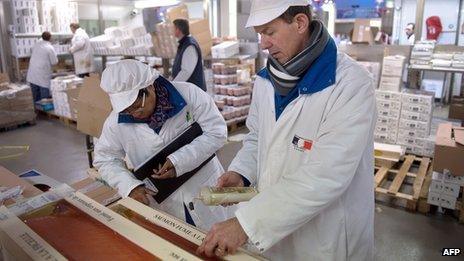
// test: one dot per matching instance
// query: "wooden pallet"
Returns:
(16, 125)
(400, 176)
(65, 120)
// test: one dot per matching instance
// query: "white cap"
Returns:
(264, 11)
(123, 80)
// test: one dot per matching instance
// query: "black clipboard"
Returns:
(165, 187)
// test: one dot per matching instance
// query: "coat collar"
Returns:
(320, 75)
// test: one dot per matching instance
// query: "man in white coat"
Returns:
(148, 113)
(82, 51)
(39, 73)
(309, 150)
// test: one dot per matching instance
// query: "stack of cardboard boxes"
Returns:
(448, 175)
(422, 53)
(389, 110)
(16, 103)
(60, 88)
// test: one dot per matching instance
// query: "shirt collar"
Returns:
(320, 75)
(175, 99)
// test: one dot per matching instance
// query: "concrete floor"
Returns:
(59, 152)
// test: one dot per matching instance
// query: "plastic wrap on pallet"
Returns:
(16, 105)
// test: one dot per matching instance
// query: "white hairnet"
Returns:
(123, 80)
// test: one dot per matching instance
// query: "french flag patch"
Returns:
(302, 144)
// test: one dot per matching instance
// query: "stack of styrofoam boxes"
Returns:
(48, 15)
(444, 189)
(164, 41)
(233, 100)
(442, 60)
(392, 71)
(61, 48)
(66, 13)
(225, 49)
(374, 69)
(388, 111)
(422, 53)
(415, 122)
(22, 47)
(458, 60)
(58, 88)
(25, 16)
(123, 41)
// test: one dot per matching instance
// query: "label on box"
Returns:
(441, 200)
(415, 116)
(448, 177)
(412, 133)
(391, 122)
(388, 113)
(442, 187)
(417, 108)
(390, 105)
(414, 125)
(387, 95)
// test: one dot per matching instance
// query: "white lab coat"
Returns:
(82, 52)
(140, 142)
(40, 66)
(315, 204)
(412, 39)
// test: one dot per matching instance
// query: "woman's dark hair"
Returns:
(46, 36)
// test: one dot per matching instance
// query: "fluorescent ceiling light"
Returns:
(152, 3)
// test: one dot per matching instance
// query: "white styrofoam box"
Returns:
(379, 128)
(388, 95)
(393, 65)
(408, 133)
(138, 31)
(392, 122)
(415, 116)
(448, 177)
(389, 105)
(435, 86)
(414, 125)
(417, 142)
(422, 99)
(385, 137)
(388, 113)
(127, 42)
(441, 200)
(417, 108)
(225, 49)
(390, 83)
(442, 187)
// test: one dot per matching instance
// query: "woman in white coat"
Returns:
(82, 51)
(309, 150)
(148, 113)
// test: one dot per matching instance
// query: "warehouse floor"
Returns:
(59, 152)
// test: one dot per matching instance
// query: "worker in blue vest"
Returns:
(188, 66)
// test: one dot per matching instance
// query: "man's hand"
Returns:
(223, 239)
(230, 179)
(140, 194)
(166, 172)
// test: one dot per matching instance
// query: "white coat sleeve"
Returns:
(77, 44)
(109, 155)
(53, 57)
(214, 136)
(189, 61)
(245, 162)
(296, 198)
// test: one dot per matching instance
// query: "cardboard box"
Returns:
(414, 125)
(412, 133)
(393, 65)
(418, 108)
(4, 78)
(389, 105)
(177, 12)
(388, 113)
(362, 32)
(93, 106)
(390, 83)
(391, 122)
(456, 110)
(97, 191)
(388, 95)
(385, 137)
(73, 96)
(447, 177)
(9, 179)
(416, 116)
(418, 97)
(441, 200)
(441, 187)
(449, 151)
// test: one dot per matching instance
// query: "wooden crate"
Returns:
(65, 120)
(400, 174)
